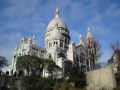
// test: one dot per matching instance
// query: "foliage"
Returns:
(3, 61)
(65, 86)
(115, 46)
(33, 63)
(52, 68)
(78, 77)
(116, 51)
(117, 88)
(117, 75)
(38, 83)
(20, 73)
(24, 62)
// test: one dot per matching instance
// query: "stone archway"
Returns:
(60, 54)
(7, 73)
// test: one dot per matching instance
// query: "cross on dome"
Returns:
(80, 36)
(89, 29)
(57, 13)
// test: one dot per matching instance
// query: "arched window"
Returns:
(77, 58)
(56, 43)
(61, 44)
(66, 41)
(87, 62)
(50, 44)
(20, 54)
(50, 56)
(7, 73)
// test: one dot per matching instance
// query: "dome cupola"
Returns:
(57, 22)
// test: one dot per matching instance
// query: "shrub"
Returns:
(117, 88)
(37, 83)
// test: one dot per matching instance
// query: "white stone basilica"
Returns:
(58, 47)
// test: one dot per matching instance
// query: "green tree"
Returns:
(52, 68)
(77, 77)
(3, 61)
(23, 62)
(29, 63)
(37, 64)
(38, 83)
(33, 63)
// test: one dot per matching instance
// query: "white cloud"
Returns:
(7, 44)
(32, 16)
(113, 10)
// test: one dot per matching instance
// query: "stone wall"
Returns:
(101, 79)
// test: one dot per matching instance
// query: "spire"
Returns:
(81, 41)
(34, 39)
(30, 40)
(89, 34)
(57, 13)
(88, 29)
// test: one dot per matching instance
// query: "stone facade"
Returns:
(101, 79)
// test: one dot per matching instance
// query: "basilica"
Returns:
(58, 47)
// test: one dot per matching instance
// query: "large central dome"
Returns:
(57, 21)
(57, 35)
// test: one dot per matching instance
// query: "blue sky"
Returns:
(24, 18)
